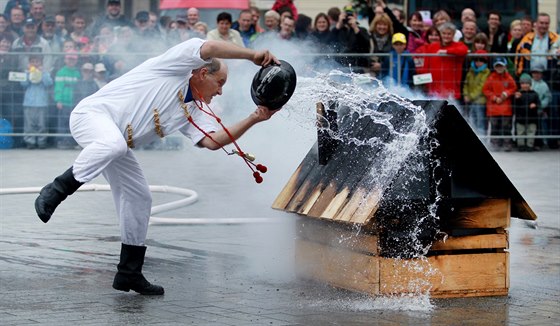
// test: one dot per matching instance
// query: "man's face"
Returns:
(446, 36)
(469, 30)
(526, 26)
(224, 26)
(60, 22)
(494, 21)
(152, 22)
(271, 23)
(79, 25)
(114, 9)
(468, 16)
(16, 16)
(30, 31)
(48, 29)
(543, 24)
(192, 16)
(245, 21)
(210, 85)
(287, 27)
(37, 10)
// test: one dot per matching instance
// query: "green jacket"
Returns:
(64, 84)
(473, 85)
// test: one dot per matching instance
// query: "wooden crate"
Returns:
(475, 264)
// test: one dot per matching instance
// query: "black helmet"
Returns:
(274, 85)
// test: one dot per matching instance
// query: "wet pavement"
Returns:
(60, 273)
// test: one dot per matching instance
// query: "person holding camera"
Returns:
(349, 37)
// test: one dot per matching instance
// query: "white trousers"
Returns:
(105, 151)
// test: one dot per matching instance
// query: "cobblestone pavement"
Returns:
(60, 273)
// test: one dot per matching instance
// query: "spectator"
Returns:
(399, 15)
(555, 87)
(349, 37)
(516, 34)
(432, 35)
(497, 36)
(538, 42)
(474, 99)
(78, 34)
(87, 85)
(441, 17)
(103, 42)
(244, 27)
(525, 107)
(36, 102)
(201, 28)
(48, 33)
(5, 26)
(545, 97)
(447, 69)
(480, 42)
(60, 25)
(280, 5)
(285, 12)
(406, 68)
(303, 27)
(333, 13)
(287, 28)
(224, 32)
(397, 24)
(381, 31)
(23, 4)
(153, 21)
(17, 20)
(468, 15)
(193, 16)
(469, 32)
(121, 57)
(112, 18)
(99, 75)
(7, 64)
(256, 16)
(64, 84)
(321, 35)
(416, 32)
(526, 25)
(37, 12)
(271, 21)
(498, 89)
(31, 42)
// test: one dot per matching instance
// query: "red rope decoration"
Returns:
(259, 167)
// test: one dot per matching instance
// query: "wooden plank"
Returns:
(335, 235)
(296, 180)
(337, 267)
(482, 241)
(486, 274)
(483, 213)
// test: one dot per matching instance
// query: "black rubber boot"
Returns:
(129, 275)
(54, 193)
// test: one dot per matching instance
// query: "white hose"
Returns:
(190, 197)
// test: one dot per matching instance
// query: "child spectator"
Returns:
(64, 84)
(36, 103)
(406, 63)
(545, 96)
(86, 86)
(498, 89)
(100, 76)
(525, 105)
(475, 101)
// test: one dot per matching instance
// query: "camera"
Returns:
(349, 12)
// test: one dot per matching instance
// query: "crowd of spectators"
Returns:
(485, 70)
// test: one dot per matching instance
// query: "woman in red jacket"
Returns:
(446, 69)
(498, 89)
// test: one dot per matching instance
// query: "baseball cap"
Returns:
(537, 68)
(29, 21)
(116, 2)
(49, 19)
(500, 61)
(181, 19)
(142, 16)
(399, 37)
(525, 78)
(100, 67)
(87, 66)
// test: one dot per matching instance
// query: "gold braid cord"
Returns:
(183, 104)
(129, 141)
(159, 132)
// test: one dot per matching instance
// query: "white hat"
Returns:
(87, 66)
(100, 67)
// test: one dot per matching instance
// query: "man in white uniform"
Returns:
(152, 100)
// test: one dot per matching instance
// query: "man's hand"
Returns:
(262, 113)
(265, 58)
